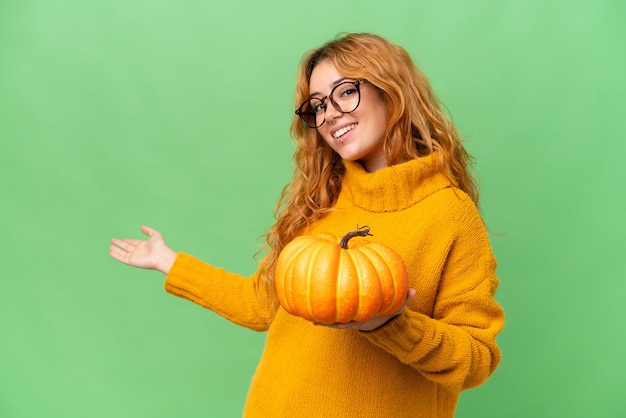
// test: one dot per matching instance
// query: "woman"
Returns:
(373, 147)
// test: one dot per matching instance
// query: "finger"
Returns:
(334, 326)
(126, 245)
(128, 241)
(338, 325)
(118, 254)
(117, 242)
(409, 295)
(133, 242)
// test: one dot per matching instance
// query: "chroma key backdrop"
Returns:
(175, 114)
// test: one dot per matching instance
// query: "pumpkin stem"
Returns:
(361, 231)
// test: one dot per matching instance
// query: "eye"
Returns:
(348, 91)
(317, 106)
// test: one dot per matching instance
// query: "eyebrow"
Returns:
(341, 80)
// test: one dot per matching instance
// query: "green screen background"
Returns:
(175, 114)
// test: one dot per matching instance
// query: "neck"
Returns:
(375, 164)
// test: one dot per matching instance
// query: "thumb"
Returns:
(149, 231)
(409, 295)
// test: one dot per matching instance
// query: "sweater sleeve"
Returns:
(230, 295)
(456, 345)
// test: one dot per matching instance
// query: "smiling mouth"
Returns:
(341, 132)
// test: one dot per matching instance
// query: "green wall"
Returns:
(176, 113)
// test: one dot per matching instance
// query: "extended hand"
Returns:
(147, 254)
(375, 322)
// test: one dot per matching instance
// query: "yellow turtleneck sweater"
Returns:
(417, 364)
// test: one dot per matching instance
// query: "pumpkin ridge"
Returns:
(340, 263)
(311, 265)
(288, 284)
(324, 283)
(383, 253)
(279, 284)
(375, 297)
(293, 252)
(359, 282)
(385, 261)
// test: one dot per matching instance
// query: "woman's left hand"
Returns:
(373, 323)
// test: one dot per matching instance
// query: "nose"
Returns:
(331, 113)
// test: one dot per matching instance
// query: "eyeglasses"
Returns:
(345, 97)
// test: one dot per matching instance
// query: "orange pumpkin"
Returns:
(326, 282)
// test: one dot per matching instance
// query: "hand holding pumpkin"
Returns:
(329, 283)
(375, 322)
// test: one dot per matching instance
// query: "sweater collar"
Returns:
(393, 188)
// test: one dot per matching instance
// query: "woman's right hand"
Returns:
(151, 253)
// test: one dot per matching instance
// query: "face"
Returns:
(356, 136)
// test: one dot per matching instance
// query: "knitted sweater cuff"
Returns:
(184, 277)
(400, 335)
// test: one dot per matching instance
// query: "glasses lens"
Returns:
(312, 112)
(346, 97)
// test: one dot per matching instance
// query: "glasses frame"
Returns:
(300, 112)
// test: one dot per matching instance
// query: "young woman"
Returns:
(373, 148)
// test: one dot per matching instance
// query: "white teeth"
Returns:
(343, 130)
